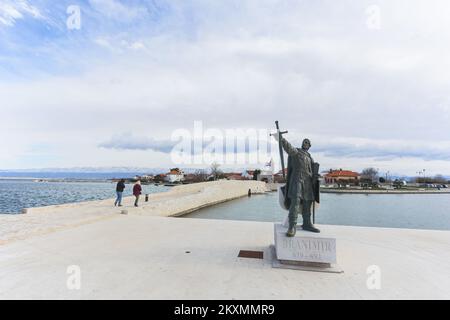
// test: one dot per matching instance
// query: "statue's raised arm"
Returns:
(290, 150)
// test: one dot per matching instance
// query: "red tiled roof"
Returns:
(342, 173)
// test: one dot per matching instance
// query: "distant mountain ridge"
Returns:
(139, 170)
(89, 169)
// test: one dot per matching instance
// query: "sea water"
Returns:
(413, 211)
(16, 194)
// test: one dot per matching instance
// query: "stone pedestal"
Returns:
(306, 251)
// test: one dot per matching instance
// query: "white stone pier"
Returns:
(145, 257)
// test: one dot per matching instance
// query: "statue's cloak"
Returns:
(284, 197)
(285, 201)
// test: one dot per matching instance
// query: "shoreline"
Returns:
(355, 191)
(48, 180)
(274, 188)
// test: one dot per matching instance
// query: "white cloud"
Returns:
(316, 68)
(137, 45)
(11, 11)
(9, 14)
(116, 10)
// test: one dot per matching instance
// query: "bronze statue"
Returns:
(302, 188)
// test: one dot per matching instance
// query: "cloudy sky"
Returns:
(367, 81)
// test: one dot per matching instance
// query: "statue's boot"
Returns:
(307, 225)
(291, 230)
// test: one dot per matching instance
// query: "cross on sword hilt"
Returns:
(281, 132)
(278, 128)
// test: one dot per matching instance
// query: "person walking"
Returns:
(119, 190)
(137, 190)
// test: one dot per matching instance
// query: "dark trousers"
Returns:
(298, 207)
(137, 200)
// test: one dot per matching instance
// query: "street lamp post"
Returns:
(419, 173)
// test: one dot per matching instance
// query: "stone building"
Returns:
(342, 177)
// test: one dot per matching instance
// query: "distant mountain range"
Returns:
(87, 172)
(91, 169)
(139, 170)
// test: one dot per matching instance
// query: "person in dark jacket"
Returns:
(137, 189)
(119, 190)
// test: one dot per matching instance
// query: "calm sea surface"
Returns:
(18, 194)
(412, 211)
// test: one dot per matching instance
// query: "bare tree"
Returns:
(199, 175)
(439, 179)
(369, 174)
(215, 171)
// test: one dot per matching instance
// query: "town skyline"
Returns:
(161, 170)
